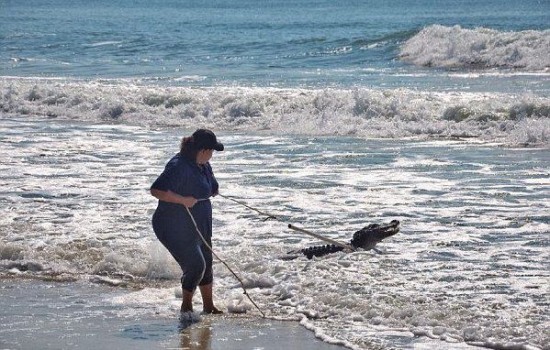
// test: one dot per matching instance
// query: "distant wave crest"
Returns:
(457, 47)
(396, 113)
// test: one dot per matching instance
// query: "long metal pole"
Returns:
(326, 239)
(290, 226)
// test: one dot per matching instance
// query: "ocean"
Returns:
(335, 115)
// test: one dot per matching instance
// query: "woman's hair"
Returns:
(201, 139)
(188, 148)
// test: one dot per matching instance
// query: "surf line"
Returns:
(223, 262)
(290, 226)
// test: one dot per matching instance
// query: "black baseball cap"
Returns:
(206, 139)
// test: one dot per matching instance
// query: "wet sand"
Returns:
(53, 315)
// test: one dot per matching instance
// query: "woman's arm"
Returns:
(172, 197)
(215, 185)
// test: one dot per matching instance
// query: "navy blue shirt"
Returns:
(186, 178)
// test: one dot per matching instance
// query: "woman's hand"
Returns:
(189, 201)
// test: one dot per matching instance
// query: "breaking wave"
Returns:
(457, 47)
(396, 113)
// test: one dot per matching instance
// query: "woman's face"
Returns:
(204, 156)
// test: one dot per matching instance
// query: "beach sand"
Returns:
(77, 315)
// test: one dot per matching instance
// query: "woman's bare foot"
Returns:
(212, 311)
(207, 301)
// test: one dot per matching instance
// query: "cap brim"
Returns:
(218, 147)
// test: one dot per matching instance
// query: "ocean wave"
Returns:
(103, 43)
(457, 47)
(397, 113)
(391, 38)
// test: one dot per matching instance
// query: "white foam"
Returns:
(239, 305)
(399, 113)
(452, 47)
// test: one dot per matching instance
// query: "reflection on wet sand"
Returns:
(197, 336)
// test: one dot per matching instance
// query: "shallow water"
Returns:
(470, 265)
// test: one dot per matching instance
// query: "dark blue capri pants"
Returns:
(185, 245)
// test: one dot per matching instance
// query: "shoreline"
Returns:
(68, 315)
(78, 314)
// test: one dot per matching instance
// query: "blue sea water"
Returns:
(335, 115)
(252, 43)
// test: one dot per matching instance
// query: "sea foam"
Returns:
(457, 47)
(364, 112)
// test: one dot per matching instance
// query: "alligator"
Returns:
(366, 238)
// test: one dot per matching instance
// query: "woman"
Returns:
(188, 181)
